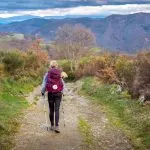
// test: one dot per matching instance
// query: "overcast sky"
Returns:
(42, 8)
(44, 4)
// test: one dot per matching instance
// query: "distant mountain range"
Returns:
(128, 33)
(27, 17)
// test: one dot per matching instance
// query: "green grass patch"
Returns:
(12, 104)
(85, 129)
(128, 115)
(11, 108)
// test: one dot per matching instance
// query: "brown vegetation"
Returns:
(18, 63)
(132, 73)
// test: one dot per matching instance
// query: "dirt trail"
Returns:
(32, 137)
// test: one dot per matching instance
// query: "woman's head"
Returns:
(53, 64)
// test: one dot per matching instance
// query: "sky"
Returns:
(65, 8)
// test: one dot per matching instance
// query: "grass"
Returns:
(128, 115)
(85, 130)
(11, 107)
(12, 104)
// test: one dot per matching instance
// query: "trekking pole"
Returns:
(63, 110)
(46, 125)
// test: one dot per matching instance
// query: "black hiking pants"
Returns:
(54, 100)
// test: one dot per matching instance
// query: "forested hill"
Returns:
(128, 33)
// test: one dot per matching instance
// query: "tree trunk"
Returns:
(76, 64)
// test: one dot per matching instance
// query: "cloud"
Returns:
(46, 4)
(104, 10)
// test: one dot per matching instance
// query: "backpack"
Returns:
(54, 82)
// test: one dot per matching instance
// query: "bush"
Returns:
(101, 66)
(12, 62)
(84, 69)
(65, 66)
(141, 84)
(107, 75)
(19, 64)
(130, 72)
(125, 71)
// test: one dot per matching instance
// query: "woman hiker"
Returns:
(54, 85)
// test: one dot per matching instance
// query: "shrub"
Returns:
(65, 66)
(101, 66)
(141, 84)
(107, 75)
(13, 61)
(125, 71)
(132, 73)
(19, 64)
(85, 67)
(31, 61)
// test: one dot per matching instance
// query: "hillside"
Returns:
(128, 33)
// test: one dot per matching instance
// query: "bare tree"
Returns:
(75, 42)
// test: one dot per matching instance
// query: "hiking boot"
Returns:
(57, 130)
(52, 128)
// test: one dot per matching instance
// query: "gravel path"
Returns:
(32, 136)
